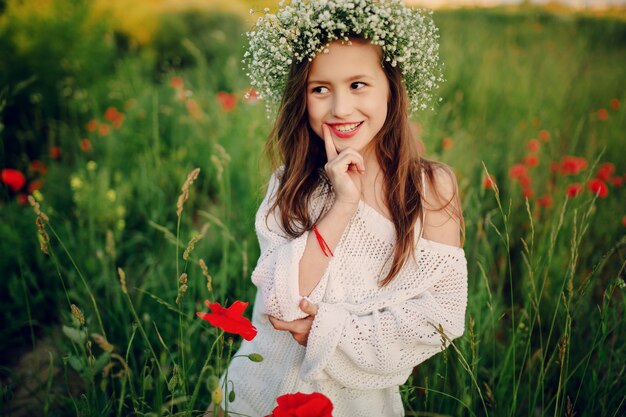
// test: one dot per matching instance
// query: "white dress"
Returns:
(365, 339)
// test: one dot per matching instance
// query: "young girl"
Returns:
(361, 276)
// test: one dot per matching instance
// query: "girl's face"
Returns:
(348, 90)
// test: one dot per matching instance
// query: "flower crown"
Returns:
(302, 29)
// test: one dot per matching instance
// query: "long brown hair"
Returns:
(290, 144)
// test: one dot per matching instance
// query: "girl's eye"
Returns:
(320, 90)
(357, 85)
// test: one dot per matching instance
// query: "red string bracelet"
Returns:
(323, 245)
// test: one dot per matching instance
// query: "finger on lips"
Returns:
(331, 151)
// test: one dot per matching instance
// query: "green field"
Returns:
(105, 130)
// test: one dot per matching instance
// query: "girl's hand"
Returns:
(344, 170)
(299, 329)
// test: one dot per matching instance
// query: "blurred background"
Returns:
(107, 106)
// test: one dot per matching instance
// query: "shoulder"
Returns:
(443, 218)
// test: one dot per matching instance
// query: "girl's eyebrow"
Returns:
(348, 80)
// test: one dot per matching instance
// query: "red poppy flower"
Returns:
(615, 104)
(489, 182)
(22, 199)
(38, 167)
(303, 405)
(605, 171)
(517, 171)
(85, 145)
(617, 181)
(251, 96)
(55, 152)
(177, 83)
(598, 187)
(545, 201)
(104, 129)
(525, 181)
(573, 189)
(13, 179)
(227, 101)
(544, 135)
(230, 319)
(34, 186)
(528, 192)
(572, 165)
(92, 125)
(603, 115)
(533, 145)
(447, 144)
(531, 160)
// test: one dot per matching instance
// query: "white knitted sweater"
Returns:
(365, 339)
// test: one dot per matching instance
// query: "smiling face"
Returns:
(348, 90)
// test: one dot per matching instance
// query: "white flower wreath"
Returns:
(300, 30)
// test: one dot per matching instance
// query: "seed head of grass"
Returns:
(192, 243)
(182, 289)
(41, 226)
(205, 272)
(78, 315)
(191, 177)
(102, 342)
(122, 275)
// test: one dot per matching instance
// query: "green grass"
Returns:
(545, 323)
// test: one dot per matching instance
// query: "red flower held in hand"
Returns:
(13, 179)
(230, 319)
(303, 405)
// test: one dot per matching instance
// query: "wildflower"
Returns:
(617, 181)
(605, 171)
(598, 187)
(489, 182)
(104, 129)
(545, 201)
(230, 319)
(22, 199)
(517, 171)
(13, 179)
(615, 104)
(111, 195)
(251, 96)
(554, 167)
(38, 167)
(55, 152)
(111, 114)
(92, 125)
(525, 181)
(572, 165)
(528, 192)
(447, 144)
(177, 83)
(531, 160)
(91, 166)
(303, 405)
(194, 109)
(533, 145)
(34, 186)
(75, 183)
(191, 177)
(544, 135)
(573, 190)
(85, 145)
(602, 115)
(227, 101)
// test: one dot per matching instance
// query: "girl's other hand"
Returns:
(299, 329)
(344, 170)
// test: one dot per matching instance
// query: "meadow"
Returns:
(112, 239)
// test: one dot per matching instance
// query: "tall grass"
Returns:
(545, 323)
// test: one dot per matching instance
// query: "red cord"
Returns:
(323, 245)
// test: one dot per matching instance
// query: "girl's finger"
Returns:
(331, 151)
(308, 307)
(349, 158)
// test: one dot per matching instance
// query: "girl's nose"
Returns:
(342, 104)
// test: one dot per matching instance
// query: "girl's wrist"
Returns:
(346, 207)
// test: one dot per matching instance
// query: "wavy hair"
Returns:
(289, 144)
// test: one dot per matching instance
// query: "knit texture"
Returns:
(365, 339)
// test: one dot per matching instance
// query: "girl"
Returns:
(361, 276)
